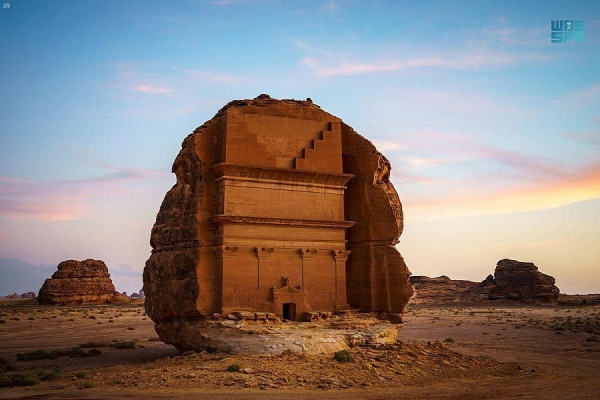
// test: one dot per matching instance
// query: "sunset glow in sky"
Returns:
(493, 132)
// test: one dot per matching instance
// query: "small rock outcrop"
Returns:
(512, 280)
(78, 282)
(28, 295)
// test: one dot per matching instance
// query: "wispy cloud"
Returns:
(592, 138)
(515, 35)
(468, 61)
(492, 47)
(131, 79)
(388, 145)
(158, 91)
(478, 199)
(431, 149)
(64, 200)
(152, 89)
(201, 76)
(584, 95)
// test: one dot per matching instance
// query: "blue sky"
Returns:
(493, 132)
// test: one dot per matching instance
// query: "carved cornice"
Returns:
(238, 219)
(280, 175)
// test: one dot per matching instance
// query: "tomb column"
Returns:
(340, 257)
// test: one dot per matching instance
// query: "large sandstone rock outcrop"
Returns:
(78, 282)
(512, 280)
(278, 207)
(515, 280)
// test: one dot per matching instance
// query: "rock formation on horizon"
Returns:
(80, 282)
(278, 207)
(512, 280)
(516, 280)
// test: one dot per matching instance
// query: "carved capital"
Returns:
(225, 251)
(308, 254)
(340, 255)
(264, 252)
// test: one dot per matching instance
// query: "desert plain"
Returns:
(472, 352)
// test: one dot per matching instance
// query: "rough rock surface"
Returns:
(251, 337)
(279, 207)
(512, 280)
(78, 282)
(440, 290)
(515, 280)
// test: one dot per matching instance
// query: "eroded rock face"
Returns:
(79, 282)
(377, 276)
(512, 280)
(440, 290)
(279, 207)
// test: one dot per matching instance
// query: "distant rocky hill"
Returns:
(512, 281)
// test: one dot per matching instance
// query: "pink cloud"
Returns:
(132, 80)
(151, 89)
(64, 200)
(592, 138)
(480, 198)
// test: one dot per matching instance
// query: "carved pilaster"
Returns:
(308, 256)
(263, 254)
(339, 265)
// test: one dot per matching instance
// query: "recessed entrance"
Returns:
(289, 311)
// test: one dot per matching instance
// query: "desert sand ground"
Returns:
(445, 352)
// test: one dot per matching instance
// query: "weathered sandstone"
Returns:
(515, 280)
(512, 280)
(279, 207)
(440, 290)
(79, 282)
(259, 336)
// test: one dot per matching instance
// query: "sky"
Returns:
(493, 132)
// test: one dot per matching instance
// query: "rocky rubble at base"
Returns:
(80, 282)
(378, 366)
(512, 281)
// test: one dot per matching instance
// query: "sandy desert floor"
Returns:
(445, 352)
